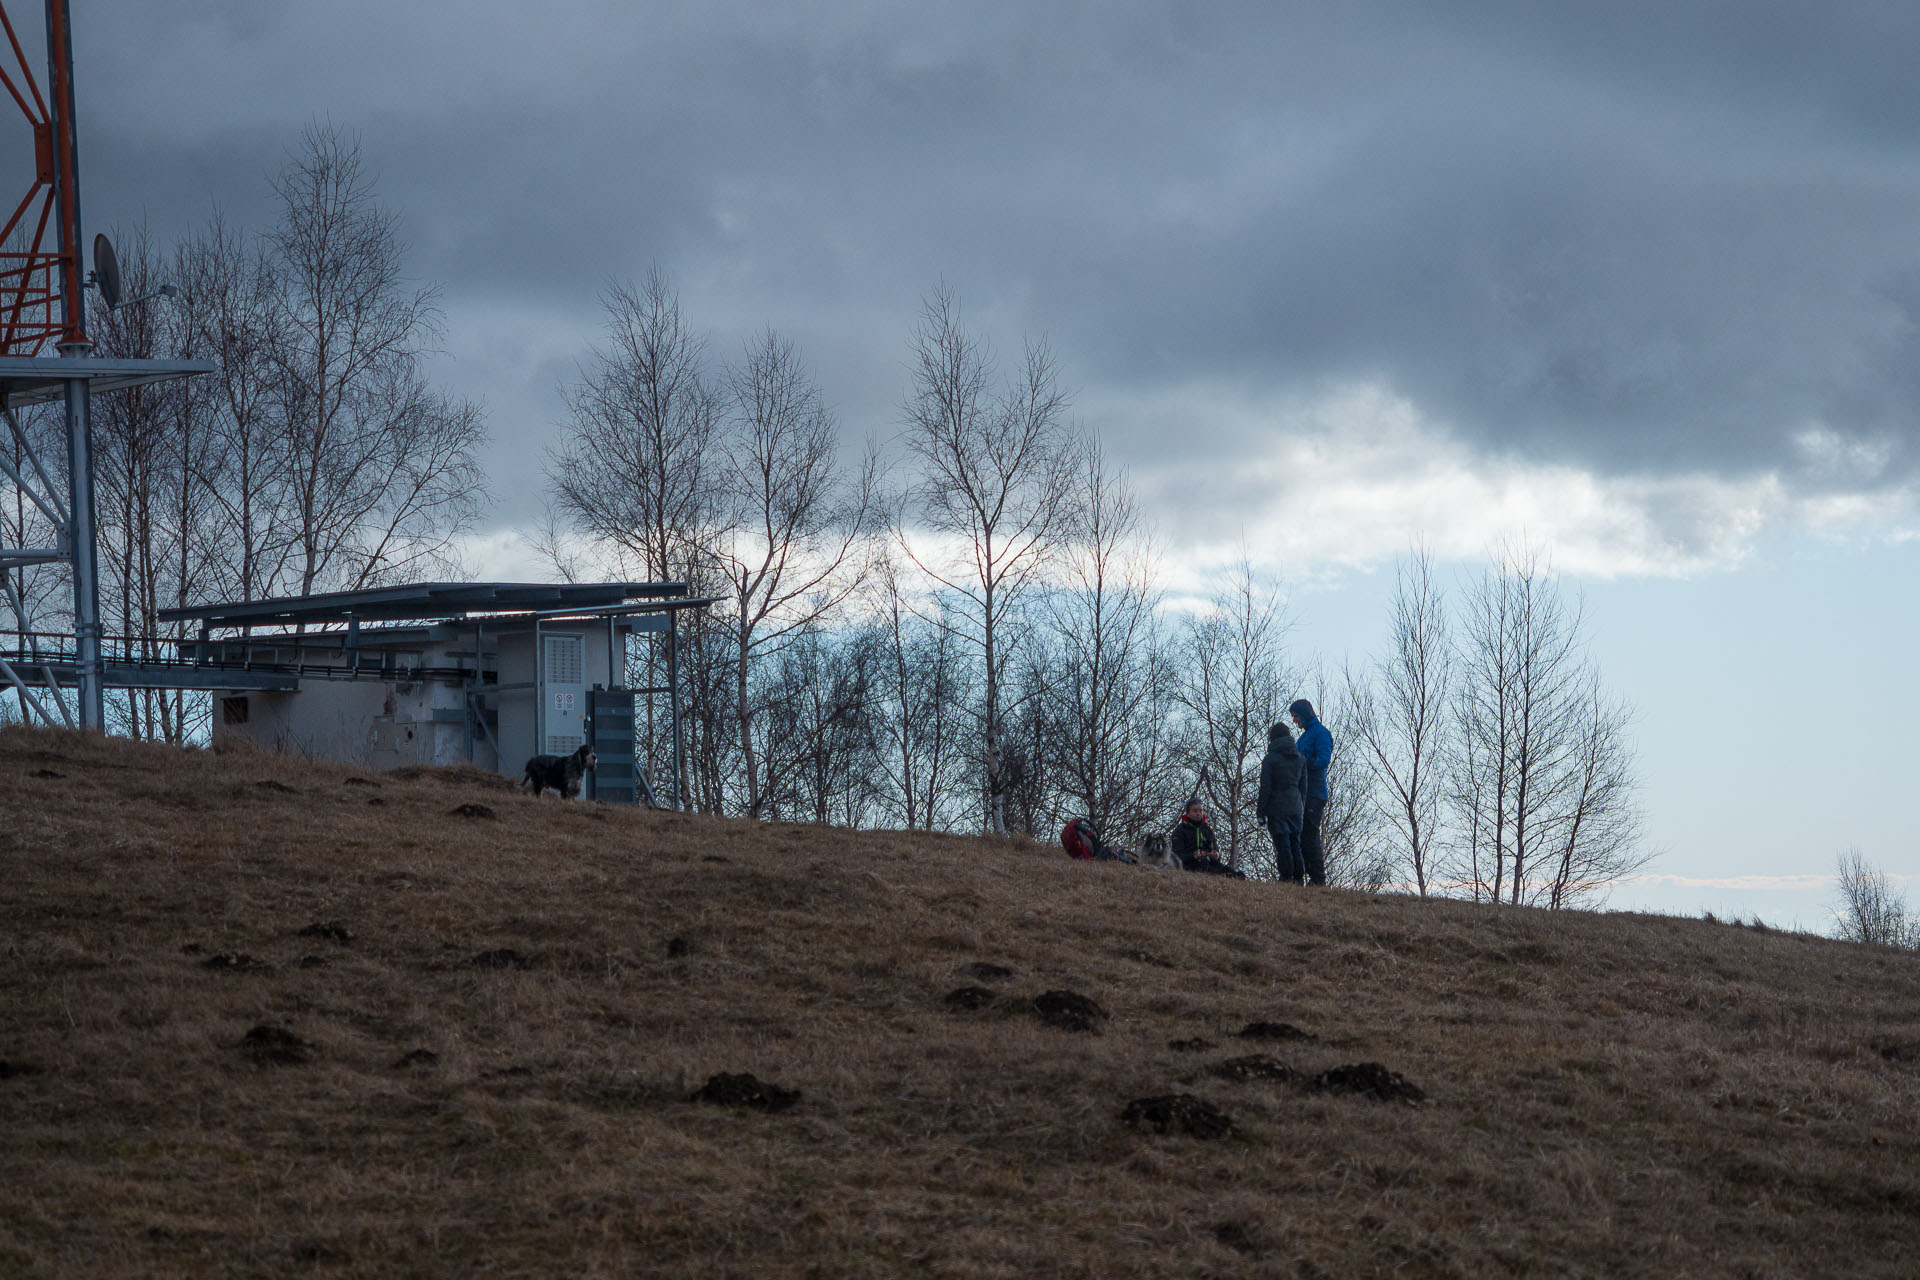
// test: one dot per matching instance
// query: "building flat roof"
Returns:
(28, 380)
(423, 601)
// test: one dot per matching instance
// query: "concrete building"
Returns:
(444, 673)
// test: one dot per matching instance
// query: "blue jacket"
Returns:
(1316, 744)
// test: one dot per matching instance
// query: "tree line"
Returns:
(966, 626)
(985, 640)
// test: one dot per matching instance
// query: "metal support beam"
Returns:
(26, 697)
(673, 704)
(46, 497)
(80, 542)
(53, 692)
(480, 719)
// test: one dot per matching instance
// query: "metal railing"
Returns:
(60, 649)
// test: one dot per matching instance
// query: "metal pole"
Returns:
(66, 171)
(75, 345)
(673, 703)
(86, 569)
(466, 700)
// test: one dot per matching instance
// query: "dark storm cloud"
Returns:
(1637, 237)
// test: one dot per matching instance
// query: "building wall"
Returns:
(376, 724)
(328, 719)
(380, 725)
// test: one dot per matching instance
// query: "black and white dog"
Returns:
(561, 774)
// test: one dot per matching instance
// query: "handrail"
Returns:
(60, 648)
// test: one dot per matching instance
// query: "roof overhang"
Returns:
(26, 380)
(429, 601)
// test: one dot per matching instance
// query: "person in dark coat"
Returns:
(1193, 843)
(1281, 803)
(1316, 744)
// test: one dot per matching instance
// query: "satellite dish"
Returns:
(106, 271)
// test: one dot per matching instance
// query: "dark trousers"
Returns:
(1213, 867)
(1310, 851)
(1286, 849)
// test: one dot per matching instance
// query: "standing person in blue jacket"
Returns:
(1316, 744)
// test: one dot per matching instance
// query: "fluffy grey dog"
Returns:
(1153, 852)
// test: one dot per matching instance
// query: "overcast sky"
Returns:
(1638, 279)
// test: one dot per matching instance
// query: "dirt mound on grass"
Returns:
(235, 962)
(1068, 1011)
(1272, 1031)
(745, 1090)
(1253, 1067)
(269, 1046)
(1180, 1113)
(985, 971)
(503, 958)
(968, 998)
(331, 930)
(1369, 1080)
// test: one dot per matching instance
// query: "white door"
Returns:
(563, 693)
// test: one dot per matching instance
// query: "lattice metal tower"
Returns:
(43, 300)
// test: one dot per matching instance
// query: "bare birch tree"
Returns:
(791, 539)
(1398, 718)
(923, 686)
(634, 469)
(1108, 696)
(1600, 835)
(990, 500)
(227, 306)
(380, 468)
(634, 474)
(159, 542)
(1543, 782)
(1234, 686)
(1871, 909)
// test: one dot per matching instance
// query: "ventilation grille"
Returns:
(565, 664)
(559, 744)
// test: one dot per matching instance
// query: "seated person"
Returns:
(1193, 843)
(1080, 841)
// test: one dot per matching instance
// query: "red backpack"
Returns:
(1076, 839)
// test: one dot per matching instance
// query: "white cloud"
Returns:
(503, 555)
(1357, 475)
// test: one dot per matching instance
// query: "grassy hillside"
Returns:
(263, 1017)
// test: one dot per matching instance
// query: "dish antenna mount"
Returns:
(106, 271)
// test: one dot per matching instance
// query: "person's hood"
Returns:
(1279, 739)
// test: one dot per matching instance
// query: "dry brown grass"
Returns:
(1605, 1095)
